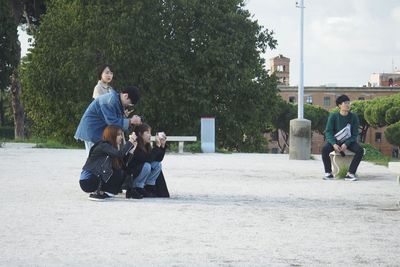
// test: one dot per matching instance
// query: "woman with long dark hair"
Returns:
(102, 175)
(145, 164)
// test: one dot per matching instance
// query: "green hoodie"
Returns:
(337, 122)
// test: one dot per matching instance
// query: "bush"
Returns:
(7, 132)
(374, 155)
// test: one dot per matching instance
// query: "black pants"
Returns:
(354, 147)
(113, 185)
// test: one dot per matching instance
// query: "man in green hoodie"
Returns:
(337, 121)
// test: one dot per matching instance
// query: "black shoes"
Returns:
(144, 192)
(97, 196)
(133, 193)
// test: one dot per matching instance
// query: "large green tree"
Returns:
(8, 49)
(189, 58)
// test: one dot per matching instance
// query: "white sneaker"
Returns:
(350, 177)
(328, 176)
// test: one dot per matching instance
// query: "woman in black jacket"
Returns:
(102, 173)
(145, 164)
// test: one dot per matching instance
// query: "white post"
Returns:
(300, 106)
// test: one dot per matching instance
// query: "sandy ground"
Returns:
(225, 210)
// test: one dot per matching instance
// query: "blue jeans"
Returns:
(148, 175)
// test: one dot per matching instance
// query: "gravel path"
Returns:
(224, 210)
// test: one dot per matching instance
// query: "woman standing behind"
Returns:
(102, 173)
(145, 164)
(105, 78)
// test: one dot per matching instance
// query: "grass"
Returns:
(42, 143)
(375, 156)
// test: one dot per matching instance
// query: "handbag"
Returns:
(343, 134)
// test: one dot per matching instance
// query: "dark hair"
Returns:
(110, 134)
(101, 68)
(139, 130)
(133, 93)
(341, 99)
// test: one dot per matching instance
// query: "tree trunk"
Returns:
(18, 109)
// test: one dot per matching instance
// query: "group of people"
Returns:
(112, 162)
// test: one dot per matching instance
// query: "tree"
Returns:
(190, 59)
(8, 49)
(392, 134)
(287, 111)
(24, 12)
(359, 107)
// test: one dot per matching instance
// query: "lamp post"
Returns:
(300, 128)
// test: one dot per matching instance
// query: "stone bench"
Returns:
(180, 139)
(338, 162)
(395, 167)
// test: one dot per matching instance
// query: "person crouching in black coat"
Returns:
(145, 163)
(102, 173)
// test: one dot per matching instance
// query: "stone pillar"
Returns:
(300, 139)
(208, 134)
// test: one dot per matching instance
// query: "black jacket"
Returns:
(100, 158)
(134, 163)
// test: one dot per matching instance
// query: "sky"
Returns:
(345, 41)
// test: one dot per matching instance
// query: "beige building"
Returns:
(326, 97)
(384, 79)
(280, 67)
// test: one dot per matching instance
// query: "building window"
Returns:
(378, 137)
(361, 98)
(279, 68)
(327, 101)
(309, 99)
(292, 99)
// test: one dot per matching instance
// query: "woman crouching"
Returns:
(145, 163)
(102, 173)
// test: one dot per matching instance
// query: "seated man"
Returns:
(340, 139)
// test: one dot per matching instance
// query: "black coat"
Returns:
(100, 158)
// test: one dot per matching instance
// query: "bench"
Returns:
(395, 167)
(338, 162)
(180, 139)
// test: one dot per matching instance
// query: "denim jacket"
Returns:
(105, 110)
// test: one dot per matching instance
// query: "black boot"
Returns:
(151, 189)
(132, 193)
(144, 192)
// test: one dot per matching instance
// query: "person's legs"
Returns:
(328, 148)
(89, 185)
(114, 184)
(155, 172)
(359, 153)
(140, 180)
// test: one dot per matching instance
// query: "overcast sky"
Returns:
(345, 41)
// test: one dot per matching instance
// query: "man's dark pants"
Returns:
(354, 147)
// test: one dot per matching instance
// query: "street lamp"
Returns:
(300, 128)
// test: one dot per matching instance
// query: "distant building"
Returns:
(384, 79)
(280, 67)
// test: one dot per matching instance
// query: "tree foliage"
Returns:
(190, 59)
(8, 60)
(392, 134)
(288, 111)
